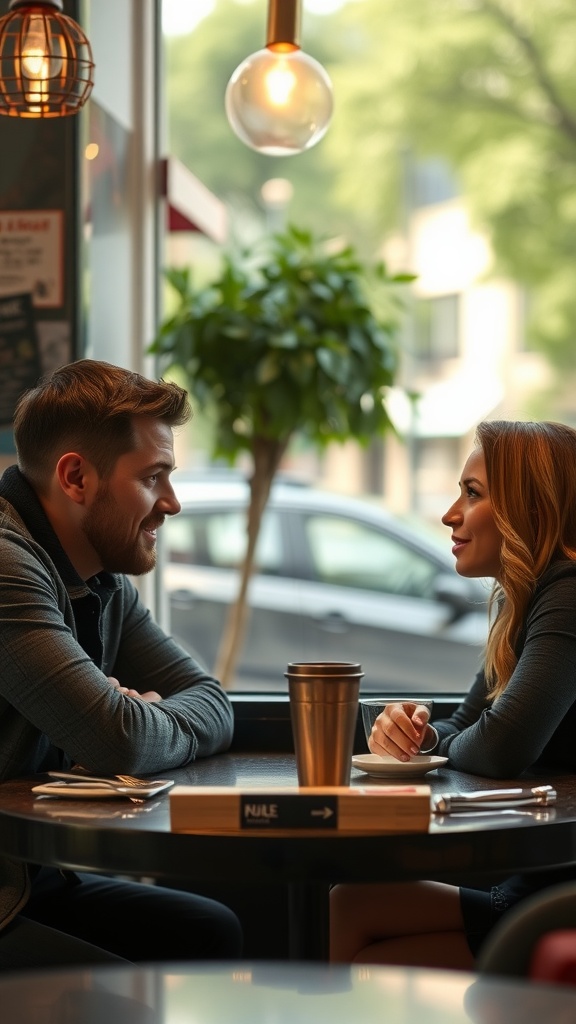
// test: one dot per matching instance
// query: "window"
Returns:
(437, 327)
(218, 539)
(352, 554)
(433, 181)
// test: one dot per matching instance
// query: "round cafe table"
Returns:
(120, 837)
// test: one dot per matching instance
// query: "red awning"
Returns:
(190, 205)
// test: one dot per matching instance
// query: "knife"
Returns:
(492, 799)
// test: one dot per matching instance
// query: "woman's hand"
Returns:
(400, 730)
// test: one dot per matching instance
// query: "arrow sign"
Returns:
(322, 812)
(278, 810)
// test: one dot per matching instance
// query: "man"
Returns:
(87, 677)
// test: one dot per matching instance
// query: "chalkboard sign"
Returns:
(20, 365)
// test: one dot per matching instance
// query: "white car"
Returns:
(338, 579)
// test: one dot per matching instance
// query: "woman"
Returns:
(515, 521)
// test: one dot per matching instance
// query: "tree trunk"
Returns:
(267, 454)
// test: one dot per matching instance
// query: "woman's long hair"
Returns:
(531, 474)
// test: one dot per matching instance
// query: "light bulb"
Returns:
(279, 103)
(39, 60)
(45, 61)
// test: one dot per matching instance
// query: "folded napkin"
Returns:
(492, 799)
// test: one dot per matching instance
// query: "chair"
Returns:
(554, 957)
(536, 939)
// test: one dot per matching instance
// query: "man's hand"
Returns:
(151, 696)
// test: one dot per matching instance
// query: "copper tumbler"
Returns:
(324, 711)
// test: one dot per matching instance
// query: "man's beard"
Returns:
(105, 528)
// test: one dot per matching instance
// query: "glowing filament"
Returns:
(280, 84)
(36, 50)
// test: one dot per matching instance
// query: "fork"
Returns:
(131, 780)
(125, 781)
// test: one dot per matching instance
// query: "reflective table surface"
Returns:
(261, 993)
(124, 837)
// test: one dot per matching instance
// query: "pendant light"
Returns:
(45, 61)
(279, 100)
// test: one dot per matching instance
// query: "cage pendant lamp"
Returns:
(279, 100)
(46, 61)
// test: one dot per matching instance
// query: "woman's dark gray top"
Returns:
(534, 720)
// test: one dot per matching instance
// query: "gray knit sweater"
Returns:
(60, 638)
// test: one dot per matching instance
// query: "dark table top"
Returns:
(121, 837)
(252, 992)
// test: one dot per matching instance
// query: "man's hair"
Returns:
(531, 475)
(89, 407)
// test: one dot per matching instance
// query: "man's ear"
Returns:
(77, 477)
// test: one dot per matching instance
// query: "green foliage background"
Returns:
(489, 86)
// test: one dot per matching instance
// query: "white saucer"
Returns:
(374, 764)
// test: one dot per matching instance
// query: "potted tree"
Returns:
(285, 340)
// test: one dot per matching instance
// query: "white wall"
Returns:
(122, 232)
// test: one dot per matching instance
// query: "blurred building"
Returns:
(464, 353)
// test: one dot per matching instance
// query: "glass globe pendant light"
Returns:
(279, 100)
(45, 61)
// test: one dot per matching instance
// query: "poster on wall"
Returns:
(32, 255)
(20, 365)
